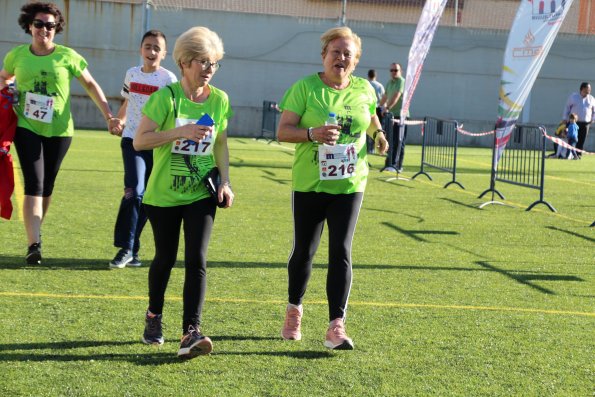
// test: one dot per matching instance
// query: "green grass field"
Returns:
(447, 299)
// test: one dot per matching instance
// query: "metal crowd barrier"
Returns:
(387, 125)
(522, 162)
(439, 148)
(270, 112)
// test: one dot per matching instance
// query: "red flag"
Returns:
(8, 125)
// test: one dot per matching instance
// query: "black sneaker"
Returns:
(194, 343)
(135, 262)
(34, 254)
(153, 334)
(123, 257)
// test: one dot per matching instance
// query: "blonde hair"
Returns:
(197, 43)
(342, 32)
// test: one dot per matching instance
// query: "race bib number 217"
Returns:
(185, 146)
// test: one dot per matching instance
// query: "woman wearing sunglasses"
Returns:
(43, 70)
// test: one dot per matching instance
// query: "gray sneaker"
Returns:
(153, 334)
(122, 258)
(194, 343)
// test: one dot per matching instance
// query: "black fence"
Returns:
(270, 116)
(387, 125)
(439, 148)
(522, 162)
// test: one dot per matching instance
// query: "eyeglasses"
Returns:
(394, 70)
(336, 54)
(38, 23)
(208, 64)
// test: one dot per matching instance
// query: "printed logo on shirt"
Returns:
(142, 89)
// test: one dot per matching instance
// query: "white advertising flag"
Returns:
(535, 26)
(424, 33)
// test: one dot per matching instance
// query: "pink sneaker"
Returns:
(293, 320)
(336, 338)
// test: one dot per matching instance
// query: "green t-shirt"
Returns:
(49, 76)
(313, 100)
(176, 179)
(392, 87)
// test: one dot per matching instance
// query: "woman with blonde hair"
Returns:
(185, 124)
(330, 169)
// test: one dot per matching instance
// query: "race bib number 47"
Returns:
(336, 162)
(39, 107)
(185, 146)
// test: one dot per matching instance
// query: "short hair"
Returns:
(584, 84)
(371, 74)
(342, 32)
(153, 33)
(28, 12)
(197, 42)
(573, 116)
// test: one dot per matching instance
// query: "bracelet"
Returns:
(309, 135)
(376, 133)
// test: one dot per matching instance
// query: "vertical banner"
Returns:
(533, 31)
(424, 34)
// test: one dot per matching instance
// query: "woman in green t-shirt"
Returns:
(329, 174)
(43, 71)
(186, 125)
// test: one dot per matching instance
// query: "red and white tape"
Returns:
(410, 122)
(462, 131)
(563, 143)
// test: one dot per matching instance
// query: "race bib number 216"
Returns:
(337, 161)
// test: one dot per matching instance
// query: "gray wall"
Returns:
(265, 54)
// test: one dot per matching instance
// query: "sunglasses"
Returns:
(38, 24)
(394, 70)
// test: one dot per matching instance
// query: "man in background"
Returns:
(583, 104)
(392, 101)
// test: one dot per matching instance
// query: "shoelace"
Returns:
(293, 319)
(121, 255)
(193, 331)
(339, 331)
(155, 324)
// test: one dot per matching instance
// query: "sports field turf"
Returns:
(447, 299)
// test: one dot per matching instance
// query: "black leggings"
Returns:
(40, 158)
(310, 210)
(198, 220)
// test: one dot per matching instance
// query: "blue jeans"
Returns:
(572, 142)
(131, 216)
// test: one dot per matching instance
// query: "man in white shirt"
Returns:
(583, 104)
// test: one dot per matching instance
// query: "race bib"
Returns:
(336, 162)
(191, 148)
(39, 107)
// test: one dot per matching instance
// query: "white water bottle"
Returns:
(331, 120)
(15, 93)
